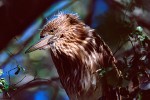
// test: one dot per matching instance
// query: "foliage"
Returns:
(135, 66)
(3, 85)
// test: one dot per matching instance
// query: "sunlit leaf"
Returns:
(4, 84)
(1, 72)
(139, 28)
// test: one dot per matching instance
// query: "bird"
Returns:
(79, 55)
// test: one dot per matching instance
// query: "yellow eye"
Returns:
(51, 31)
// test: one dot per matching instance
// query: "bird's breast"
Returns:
(76, 67)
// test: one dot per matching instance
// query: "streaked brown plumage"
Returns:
(77, 52)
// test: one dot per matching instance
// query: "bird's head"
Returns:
(58, 31)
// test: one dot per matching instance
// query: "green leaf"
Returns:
(139, 28)
(4, 84)
(23, 69)
(1, 91)
(141, 37)
(2, 80)
(1, 72)
(102, 72)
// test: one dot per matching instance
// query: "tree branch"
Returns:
(33, 83)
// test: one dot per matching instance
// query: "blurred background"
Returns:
(33, 76)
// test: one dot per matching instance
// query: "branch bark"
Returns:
(34, 83)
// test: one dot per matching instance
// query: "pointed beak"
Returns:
(41, 44)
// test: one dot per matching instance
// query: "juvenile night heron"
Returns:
(78, 54)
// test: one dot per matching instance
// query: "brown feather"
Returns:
(78, 52)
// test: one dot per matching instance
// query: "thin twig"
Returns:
(9, 74)
(119, 47)
(20, 80)
(34, 83)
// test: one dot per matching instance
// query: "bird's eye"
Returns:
(51, 31)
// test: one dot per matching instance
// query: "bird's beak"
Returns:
(41, 44)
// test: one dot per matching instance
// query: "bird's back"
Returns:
(78, 64)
